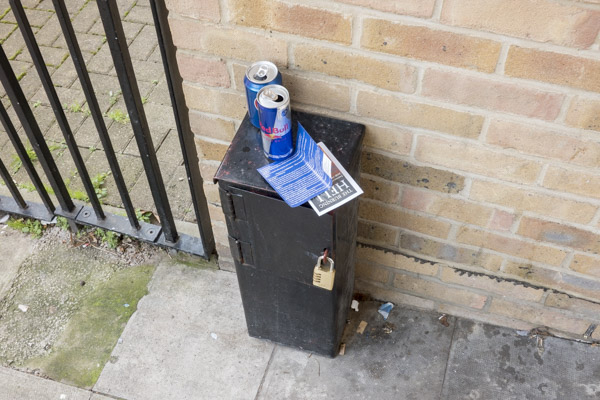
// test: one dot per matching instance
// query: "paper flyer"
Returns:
(302, 176)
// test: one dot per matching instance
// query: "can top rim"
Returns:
(262, 72)
(267, 102)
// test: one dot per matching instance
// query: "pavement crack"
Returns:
(262, 381)
(448, 358)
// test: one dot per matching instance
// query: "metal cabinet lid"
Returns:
(245, 154)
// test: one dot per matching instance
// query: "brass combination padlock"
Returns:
(322, 277)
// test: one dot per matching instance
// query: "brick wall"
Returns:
(480, 171)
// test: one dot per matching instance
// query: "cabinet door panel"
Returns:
(285, 241)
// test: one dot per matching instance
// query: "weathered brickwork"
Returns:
(482, 148)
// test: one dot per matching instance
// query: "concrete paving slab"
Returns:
(187, 340)
(23, 386)
(15, 247)
(406, 363)
(488, 362)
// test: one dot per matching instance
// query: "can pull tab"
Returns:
(261, 74)
(273, 96)
(322, 277)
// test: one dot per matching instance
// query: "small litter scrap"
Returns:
(388, 328)
(385, 310)
(342, 349)
(444, 320)
(354, 305)
(361, 327)
(590, 330)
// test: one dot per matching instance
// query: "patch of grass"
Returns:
(57, 146)
(21, 75)
(5, 12)
(86, 344)
(144, 99)
(92, 149)
(62, 223)
(78, 195)
(37, 104)
(114, 97)
(27, 186)
(74, 108)
(16, 162)
(98, 182)
(25, 225)
(111, 239)
(118, 116)
(142, 215)
(155, 81)
(14, 56)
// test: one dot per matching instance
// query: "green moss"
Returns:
(26, 225)
(118, 116)
(88, 340)
(193, 261)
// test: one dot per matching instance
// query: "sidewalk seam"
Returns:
(448, 358)
(262, 381)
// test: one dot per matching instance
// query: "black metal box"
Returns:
(275, 247)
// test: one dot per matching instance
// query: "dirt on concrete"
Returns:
(68, 302)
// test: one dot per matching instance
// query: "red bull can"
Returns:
(259, 75)
(275, 120)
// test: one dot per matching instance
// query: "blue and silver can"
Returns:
(275, 119)
(259, 75)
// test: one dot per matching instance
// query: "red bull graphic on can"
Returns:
(259, 75)
(274, 116)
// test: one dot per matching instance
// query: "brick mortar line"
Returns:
(413, 146)
(487, 121)
(382, 286)
(419, 87)
(506, 235)
(596, 220)
(516, 185)
(385, 57)
(502, 59)
(408, 20)
(353, 100)
(414, 21)
(464, 108)
(490, 295)
(564, 109)
(211, 115)
(596, 44)
(424, 296)
(516, 223)
(463, 271)
(223, 11)
(437, 10)
(357, 30)
(540, 179)
(580, 4)
(568, 261)
(466, 192)
(496, 252)
(291, 56)
(453, 232)
(434, 24)
(575, 133)
(209, 139)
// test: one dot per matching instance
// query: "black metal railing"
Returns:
(165, 234)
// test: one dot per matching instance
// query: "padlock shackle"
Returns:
(320, 262)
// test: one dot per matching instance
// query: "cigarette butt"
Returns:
(361, 327)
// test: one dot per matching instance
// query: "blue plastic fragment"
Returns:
(385, 310)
